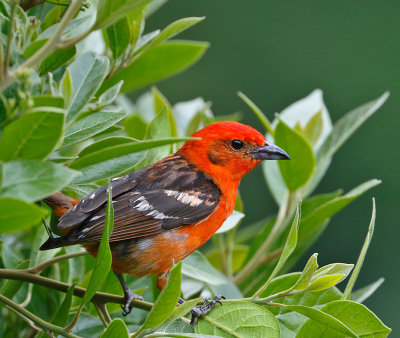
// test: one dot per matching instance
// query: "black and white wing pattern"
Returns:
(163, 196)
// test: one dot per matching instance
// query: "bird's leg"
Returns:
(128, 295)
(205, 308)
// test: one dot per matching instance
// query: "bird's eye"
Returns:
(236, 144)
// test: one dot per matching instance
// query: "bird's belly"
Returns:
(152, 255)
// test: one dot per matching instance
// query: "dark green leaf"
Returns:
(10, 287)
(109, 12)
(314, 223)
(91, 125)
(298, 170)
(323, 318)
(135, 127)
(365, 292)
(61, 316)
(103, 259)
(197, 267)
(17, 215)
(357, 318)
(239, 319)
(166, 301)
(56, 60)
(105, 143)
(87, 73)
(33, 180)
(175, 28)
(118, 37)
(48, 101)
(117, 328)
(159, 103)
(32, 136)
(157, 63)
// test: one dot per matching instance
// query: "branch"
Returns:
(99, 297)
(42, 323)
(36, 269)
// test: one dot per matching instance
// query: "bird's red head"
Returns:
(229, 150)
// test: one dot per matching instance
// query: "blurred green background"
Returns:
(277, 52)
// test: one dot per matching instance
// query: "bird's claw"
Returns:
(205, 308)
(128, 297)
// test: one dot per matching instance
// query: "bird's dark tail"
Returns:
(55, 242)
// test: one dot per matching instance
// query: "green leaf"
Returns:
(118, 37)
(289, 247)
(239, 254)
(48, 101)
(357, 318)
(87, 74)
(110, 95)
(313, 129)
(196, 266)
(365, 292)
(360, 261)
(324, 282)
(313, 224)
(135, 127)
(166, 301)
(109, 12)
(117, 328)
(66, 86)
(9, 288)
(307, 273)
(33, 180)
(33, 135)
(176, 28)
(61, 316)
(231, 222)
(157, 63)
(17, 215)
(105, 143)
(91, 125)
(257, 111)
(56, 60)
(159, 103)
(239, 319)
(158, 128)
(298, 170)
(347, 125)
(103, 259)
(320, 317)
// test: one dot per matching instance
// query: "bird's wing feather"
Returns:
(165, 196)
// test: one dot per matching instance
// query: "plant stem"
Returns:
(6, 63)
(256, 260)
(49, 47)
(36, 269)
(38, 321)
(99, 297)
(222, 254)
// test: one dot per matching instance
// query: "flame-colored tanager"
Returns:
(167, 210)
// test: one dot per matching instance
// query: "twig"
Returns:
(256, 260)
(99, 297)
(14, 4)
(38, 321)
(36, 269)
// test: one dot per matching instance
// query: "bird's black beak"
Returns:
(270, 152)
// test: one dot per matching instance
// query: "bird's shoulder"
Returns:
(165, 195)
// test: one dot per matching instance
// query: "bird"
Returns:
(167, 210)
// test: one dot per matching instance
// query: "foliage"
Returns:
(66, 124)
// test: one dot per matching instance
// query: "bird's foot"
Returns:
(128, 297)
(205, 308)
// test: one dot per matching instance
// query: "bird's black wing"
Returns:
(165, 195)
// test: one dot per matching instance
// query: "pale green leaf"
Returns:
(34, 180)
